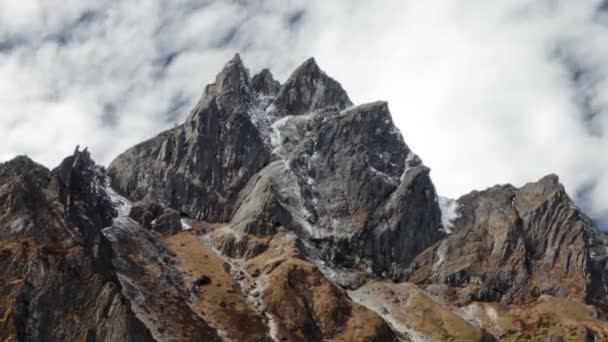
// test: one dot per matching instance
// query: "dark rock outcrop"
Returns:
(264, 84)
(81, 184)
(168, 222)
(47, 220)
(26, 204)
(309, 89)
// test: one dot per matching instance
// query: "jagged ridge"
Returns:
(337, 176)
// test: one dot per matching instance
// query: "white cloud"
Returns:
(481, 90)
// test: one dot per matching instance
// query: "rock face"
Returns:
(309, 89)
(53, 288)
(354, 187)
(343, 178)
(199, 167)
(514, 245)
(283, 212)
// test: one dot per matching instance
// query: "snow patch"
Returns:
(262, 121)
(120, 203)
(449, 212)
(273, 328)
(186, 224)
(441, 254)
(276, 140)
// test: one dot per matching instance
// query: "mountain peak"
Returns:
(232, 80)
(236, 59)
(309, 89)
(263, 83)
(309, 64)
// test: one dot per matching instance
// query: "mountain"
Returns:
(284, 212)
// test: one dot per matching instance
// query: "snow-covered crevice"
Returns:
(121, 204)
(261, 120)
(287, 132)
(441, 255)
(244, 279)
(273, 327)
(449, 212)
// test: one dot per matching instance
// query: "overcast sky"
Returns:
(485, 92)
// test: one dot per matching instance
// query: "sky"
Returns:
(485, 92)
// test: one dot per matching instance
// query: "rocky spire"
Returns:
(264, 83)
(309, 89)
(81, 184)
(234, 77)
(232, 86)
(199, 168)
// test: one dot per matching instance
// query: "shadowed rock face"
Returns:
(264, 84)
(353, 186)
(52, 287)
(199, 167)
(514, 245)
(309, 89)
(81, 184)
(286, 213)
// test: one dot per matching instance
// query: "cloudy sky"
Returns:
(485, 92)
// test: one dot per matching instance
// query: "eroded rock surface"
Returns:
(514, 245)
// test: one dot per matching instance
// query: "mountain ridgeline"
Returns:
(284, 212)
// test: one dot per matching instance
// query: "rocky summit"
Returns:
(284, 212)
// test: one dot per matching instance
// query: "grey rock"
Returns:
(354, 188)
(23, 185)
(199, 167)
(309, 89)
(168, 222)
(47, 259)
(264, 84)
